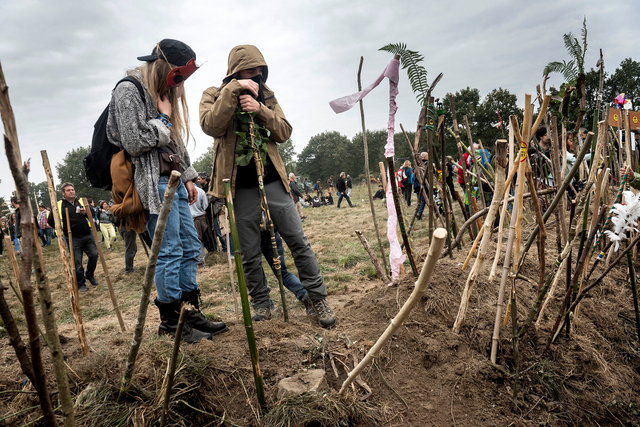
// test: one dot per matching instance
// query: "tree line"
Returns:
(329, 153)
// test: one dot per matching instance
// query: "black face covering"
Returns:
(260, 97)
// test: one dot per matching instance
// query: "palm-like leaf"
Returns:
(570, 70)
(410, 60)
(567, 69)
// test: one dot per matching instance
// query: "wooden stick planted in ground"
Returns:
(368, 174)
(396, 202)
(244, 299)
(437, 243)
(20, 171)
(171, 369)
(53, 339)
(149, 274)
(501, 163)
(367, 247)
(112, 294)
(67, 265)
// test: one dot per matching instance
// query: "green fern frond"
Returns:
(410, 60)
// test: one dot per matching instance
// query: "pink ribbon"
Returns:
(340, 105)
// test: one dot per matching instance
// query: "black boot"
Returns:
(169, 316)
(197, 319)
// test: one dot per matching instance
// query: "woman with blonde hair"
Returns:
(152, 130)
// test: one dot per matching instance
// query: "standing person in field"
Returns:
(80, 227)
(199, 213)
(296, 195)
(349, 185)
(146, 128)
(405, 179)
(107, 226)
(341, 188)
(44, 228)
(244, 90)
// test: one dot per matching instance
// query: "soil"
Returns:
(425, 375)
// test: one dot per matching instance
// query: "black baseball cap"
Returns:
(173, 51)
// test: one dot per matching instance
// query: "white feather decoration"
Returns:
(625, 218)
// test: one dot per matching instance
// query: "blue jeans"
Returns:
(345, 196)
(289, 280)
(178, 256)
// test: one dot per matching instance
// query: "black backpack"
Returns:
(97, 164)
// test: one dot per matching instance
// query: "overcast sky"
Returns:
(61, 58)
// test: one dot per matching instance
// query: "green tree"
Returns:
(71, 169)
(626, 79)
(573, 72)
(486, 117)
(323, 156)
(467, 102)
(288, 154)
(204, 163)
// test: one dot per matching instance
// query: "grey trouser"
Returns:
(287, 221)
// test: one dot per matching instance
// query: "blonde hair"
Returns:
(154, 75)
(406, 164)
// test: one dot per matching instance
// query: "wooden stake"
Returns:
(368, 174)
(171, 368)
(244, 299)
(53, 339)
(437, 244)
(405, 238)
(15, 339)
(20, 172)
(112, 294)
(501, 162)
(381, 273)
(149, 274)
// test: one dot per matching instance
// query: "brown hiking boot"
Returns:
(308, 305)
(261, 313)
(326, 318)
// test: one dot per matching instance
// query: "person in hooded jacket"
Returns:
(244, 89)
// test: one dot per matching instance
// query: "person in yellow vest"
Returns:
(83, 242)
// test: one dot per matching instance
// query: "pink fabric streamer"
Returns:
(340, 105)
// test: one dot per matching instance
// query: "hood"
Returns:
(244, 57)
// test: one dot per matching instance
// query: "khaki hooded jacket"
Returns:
(217, 119)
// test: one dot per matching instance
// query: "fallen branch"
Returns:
(374, 260)
(437, 243)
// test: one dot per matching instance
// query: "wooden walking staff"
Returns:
(244, 297)
(112, 294)
(366, 167)
(437, 243)
(396, 202)
(149, 274)
(20, 171)
(267, 217)
(501, 163)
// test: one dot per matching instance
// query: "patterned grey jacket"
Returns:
(133, 126)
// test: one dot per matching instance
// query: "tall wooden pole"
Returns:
(149, 274)
(244, 298)
(112, 294)
(405, 238)
(366, 168)
(20, 172)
